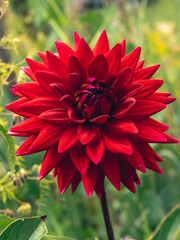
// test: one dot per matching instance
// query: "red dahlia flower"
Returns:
(91, 111)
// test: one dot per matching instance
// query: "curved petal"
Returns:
(65, 174)
(117, 144)
(98, 67)
(55, 116)
(111, 167)
(24, 148)
(68, 138)
(131, 59)
(88, 134)
(51, 159)
(102, 45)
(57, 66)
(127, 177)
(31, 126)
(84, 53)
(39, 105)
(46, 138)
(145, 108)
(90, 178)
(95, 151)
(124, 126)
(145, 73)
(114, 59)
(124, 108)
(80, 159)
(64, 51)
(36, 66)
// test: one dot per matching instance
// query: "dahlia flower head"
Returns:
(91, 111)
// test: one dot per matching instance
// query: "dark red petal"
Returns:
(123, 48)
(64, 51)
(84, 53)
(140, 64)
(90, 178)
(30, 90)
(18, 134)
(117, 144)
(135, 159)
(65, 174)
(29, 73)
(55, 116)
(124, 77)
(36, 66)
(73, 116)
(148, 157)
(100, 184)
(88, 134)
(98, 68)
(129, 90)
(45, 79)
(127, 177)
(75, 82)
(46, 138)
(122, 126)
(68, 138)
(76, 40)
(67, 100)
(102, 45)
(43, 57)
(14, 107)
(170, 139)
(31, 126)
(80, 159)
(75, 66)
(95, 151)
(39, 105)
(111, 168)
(75, 182)
(155, 124)
(148, 133)
(124, 107)
(145, 108)
(136, 178)
(145, 73)
(100, 119)
(131, 59)
(51, 159)
(149, 86)
(24, 148)
(157, 157)
(114, 59)
(57, 66)
(161, 97)
(15, 92)
(59, 89)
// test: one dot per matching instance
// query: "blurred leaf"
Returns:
(5, 221)
(25, 229)
(170, 220)
(11, 147)
(48, 237)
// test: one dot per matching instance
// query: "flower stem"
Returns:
(106, 216)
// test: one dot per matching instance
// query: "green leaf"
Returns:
(5, 221)
(25, 229)
(168, 226)
(48, 237)
(11, 147)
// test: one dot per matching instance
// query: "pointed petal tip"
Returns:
(40, 177)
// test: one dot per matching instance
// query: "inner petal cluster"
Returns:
(94, 98)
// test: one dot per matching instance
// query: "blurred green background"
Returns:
(28, 26)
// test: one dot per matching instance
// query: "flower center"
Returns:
(95, 98)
